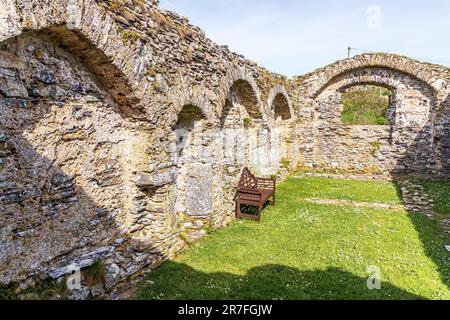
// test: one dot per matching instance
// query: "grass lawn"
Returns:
(303, 250)
(439, 191)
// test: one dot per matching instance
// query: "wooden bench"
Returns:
(253, 191)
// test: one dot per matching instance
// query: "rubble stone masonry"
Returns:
(123, 130)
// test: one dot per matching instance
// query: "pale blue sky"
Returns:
(293, 37)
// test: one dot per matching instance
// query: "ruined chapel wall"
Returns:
(406, 146)
(63, 164)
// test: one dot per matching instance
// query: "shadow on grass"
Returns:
(434, 242)
(433, 239)
(253, 210)
(268, 282)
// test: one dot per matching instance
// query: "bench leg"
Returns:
(238, 210)
(273, 203)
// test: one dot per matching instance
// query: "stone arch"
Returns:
(74, 25)
(351, 84)
(241, 92)
(240, 119)
(240, 114)
(64, 149)
(280, 103)
(71, 150)
(400, 83)
(195, 96)
(240, 88)
(375, 149)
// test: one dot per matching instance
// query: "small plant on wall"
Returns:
(248, 123)
(96, 274)
(376, 146)
(285, 163)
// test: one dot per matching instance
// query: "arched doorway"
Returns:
(194, 180)
(240, 121)
(283, 146)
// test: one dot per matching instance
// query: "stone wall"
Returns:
(408, 145)
(63, 162)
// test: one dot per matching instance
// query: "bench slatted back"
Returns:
(248, 180)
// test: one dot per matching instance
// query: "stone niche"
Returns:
(240, 122)
(282, 149)
(281, 108)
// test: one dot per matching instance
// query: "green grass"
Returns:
(366, 105)
(339, 189)
(45, 289)
(307, 251)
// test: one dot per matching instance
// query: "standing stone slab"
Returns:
(199, 184)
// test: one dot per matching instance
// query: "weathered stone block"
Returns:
(199, 186)
(157, 179)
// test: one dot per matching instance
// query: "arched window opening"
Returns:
(242, 93)
(367, 105)
(188, 130)
(231, 118)
(281, 108)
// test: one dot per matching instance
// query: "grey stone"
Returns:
(12, 88)
(199, 184)
(161, 83)
(157, 179)
(92, 103)
(79, 294)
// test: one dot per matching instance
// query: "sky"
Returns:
(293, 37)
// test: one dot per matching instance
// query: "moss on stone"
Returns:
(183, 31)
(46, 289)
(129, 36)
(188, 53)
(285, 163)
(162, 20)
(247, 122)
(376, 145)
(116, 5)
(37, 53)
